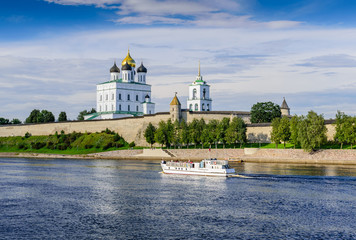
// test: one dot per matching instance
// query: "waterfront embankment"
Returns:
(329, 156)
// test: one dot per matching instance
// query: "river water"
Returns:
(107, 199)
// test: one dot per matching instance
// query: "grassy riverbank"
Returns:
(73, 143)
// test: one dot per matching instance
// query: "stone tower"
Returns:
(175, 109)
(285, 110)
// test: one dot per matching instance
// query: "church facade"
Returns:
(126, 94)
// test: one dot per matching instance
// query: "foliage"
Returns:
(222, 128)
(150, 134)
(280, 130)
(345, 129)
(72, 143)
(293, 123)
(85, 112)
(37, 116)
(236, 132)
(62, 117)
(15, 121)
(4, 121)
(311, 131)
(275, 135)
(262, 112)
(164, 133)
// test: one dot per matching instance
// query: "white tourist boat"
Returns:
(207, 167)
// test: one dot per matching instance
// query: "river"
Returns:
(109, 199)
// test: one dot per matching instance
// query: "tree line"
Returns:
(197, 132)
(307, 132)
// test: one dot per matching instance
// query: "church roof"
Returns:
(142, 68)
(126, 66)
(128, 59)
(284, 104)
(175, 101)
(114, 68)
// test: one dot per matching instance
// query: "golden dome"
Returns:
(129, 60)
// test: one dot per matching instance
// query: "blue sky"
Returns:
(54, 52)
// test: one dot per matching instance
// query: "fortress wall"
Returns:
(207, 116)
(132, 129)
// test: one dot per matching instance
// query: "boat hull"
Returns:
(214, 174)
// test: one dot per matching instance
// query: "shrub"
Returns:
(27, 135)
(107, 146)
(88, 146)
(132, 144)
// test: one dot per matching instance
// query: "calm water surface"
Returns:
(104, 199)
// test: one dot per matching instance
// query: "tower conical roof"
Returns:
(175, 101)
(284, 104)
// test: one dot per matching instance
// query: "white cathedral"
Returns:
(127, 95)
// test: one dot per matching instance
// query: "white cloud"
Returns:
(223, 13)
(60, 73)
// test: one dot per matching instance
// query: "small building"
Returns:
(199, 95)
(126, 94)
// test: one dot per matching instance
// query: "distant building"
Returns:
(199, 95)
(285, 110)
(125, 95)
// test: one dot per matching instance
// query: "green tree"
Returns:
(284, 130)
(164, 133)
(236, 132)
(15, 121)
(222, 128)
(35, 117)
(275, 134)
(4, 121)
(184, 133)
(312, 131)
(85, 112)
(194, 132)
(262, 112)
(47, 116)
(343, 124)
(294, 121)
(213, 132)
(176, 140)
(62, 117)
(150, 134)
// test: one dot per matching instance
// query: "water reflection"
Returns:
(294, 169)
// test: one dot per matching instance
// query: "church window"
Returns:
(119, 96)
(101, 97)
(207, 107)
(194, 93)
(136, 97)
(150, 111)
(112, 96)
(136, 108)
(100, 108)
(128, 108)
(106, 108)
(128, 97)
(204, 92)
(196, 107)
(119, 107)
(203, 107)
(106, 97)
(191, 107)
(112, 107)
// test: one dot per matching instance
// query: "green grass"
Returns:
(74, 143)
